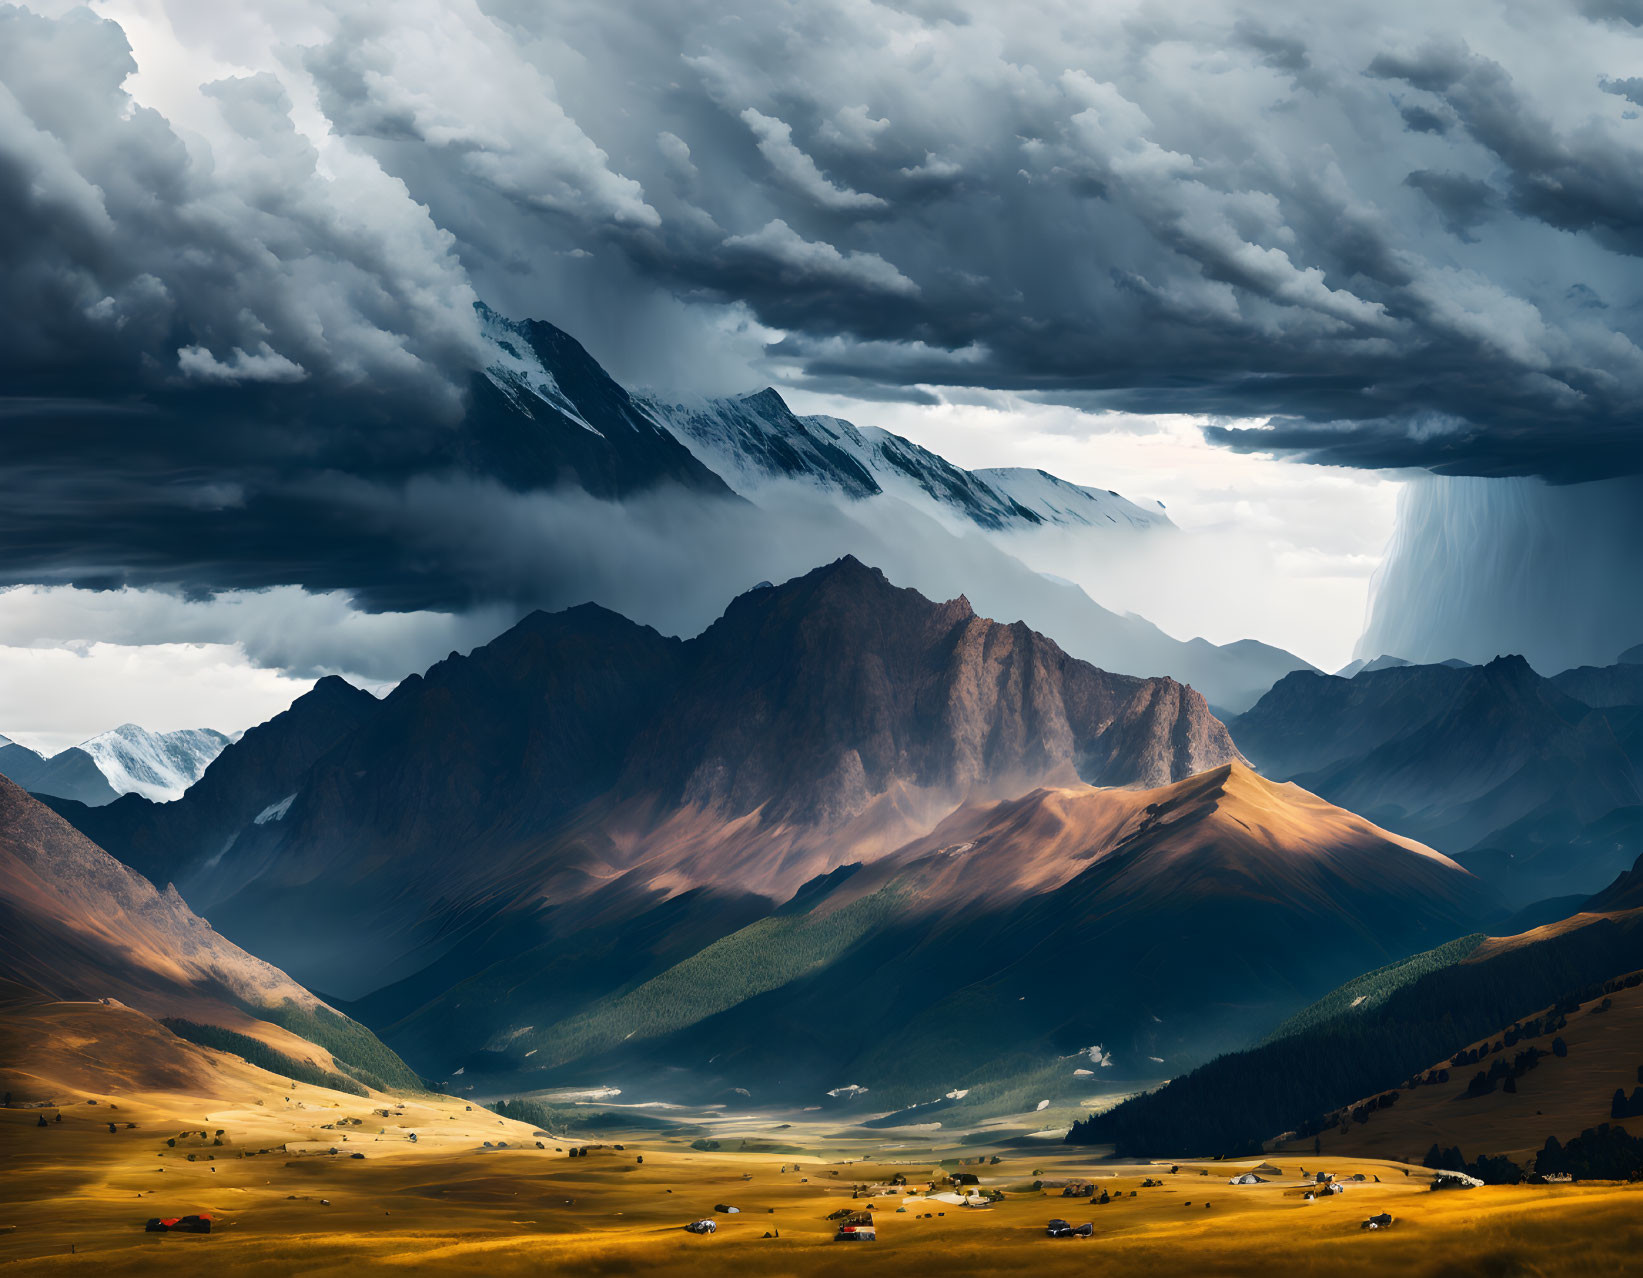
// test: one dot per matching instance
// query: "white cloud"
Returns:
(445, 73)
(794, 166)
(262, 365)
(854, 127)
(247, 636)
(677, 152)
(53, 698)
(801, 261)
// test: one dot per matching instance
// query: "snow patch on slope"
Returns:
(1059, 501)
(274, 811)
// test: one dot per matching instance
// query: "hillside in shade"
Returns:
(70, 774)
(77, 925)
(1536, 790)
(1228, 900)
(1389, 1029)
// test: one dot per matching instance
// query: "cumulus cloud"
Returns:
(136, 253)
(262, 365)
(800, 262)
(852, 126)
(438, 74)
(794, 166)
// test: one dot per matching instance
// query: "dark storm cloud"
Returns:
(1630, 88)
(1584, 180)
(1233, 210)
(1627, 12)
(1462, 203)
(1380, 228)
(1423, 120)
(133, 259)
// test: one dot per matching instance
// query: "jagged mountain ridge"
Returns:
(833, 717)
(544, 415)
(954, 701)
(1493, 764)
(752, 439)
(248, 778)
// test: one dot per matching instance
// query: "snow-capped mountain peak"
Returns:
(753, 439)
(156, 765)
(518, 372)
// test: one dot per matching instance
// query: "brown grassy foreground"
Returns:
(448, 1204)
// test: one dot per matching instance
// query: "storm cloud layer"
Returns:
(244, 244)
(1405, 233)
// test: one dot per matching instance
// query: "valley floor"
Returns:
(74, 1197)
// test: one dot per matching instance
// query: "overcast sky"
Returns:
(1183, 248)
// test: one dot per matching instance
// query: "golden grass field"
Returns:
(74, 1196)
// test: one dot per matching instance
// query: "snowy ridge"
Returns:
(156, 765)
(1060, 501)
(515, 370)
(756, 438)
(753, 439)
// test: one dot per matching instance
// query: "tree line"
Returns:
(1236, 1102)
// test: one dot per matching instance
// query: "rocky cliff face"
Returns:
(809, 700)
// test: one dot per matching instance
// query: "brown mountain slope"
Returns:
(1197, 839)
(1216, 904)
(76, 925)
(81, 925)
(809, 699)
(61, 1049)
